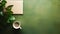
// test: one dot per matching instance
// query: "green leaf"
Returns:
(3, 3)
(9, 7)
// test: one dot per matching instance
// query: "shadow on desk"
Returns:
(10, 30)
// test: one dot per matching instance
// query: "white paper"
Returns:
(17, 6)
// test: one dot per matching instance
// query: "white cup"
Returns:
(17, 25)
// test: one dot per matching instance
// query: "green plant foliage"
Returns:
(6, 13)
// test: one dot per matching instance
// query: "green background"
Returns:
(40, 17)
